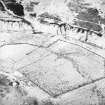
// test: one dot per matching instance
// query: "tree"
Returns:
(77, 5)
(90, 14)
(23, 19)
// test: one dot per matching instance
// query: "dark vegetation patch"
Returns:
(16, 8)
(91, 15)
(88, 25)
(30, 7)
(86, 13)
(90, 19)
(9, 1)
(1, 7)
(77, 5)
(30, 101)
(4, 88)
(33, 15)
(46, 16)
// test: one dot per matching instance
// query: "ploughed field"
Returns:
(45, 61)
